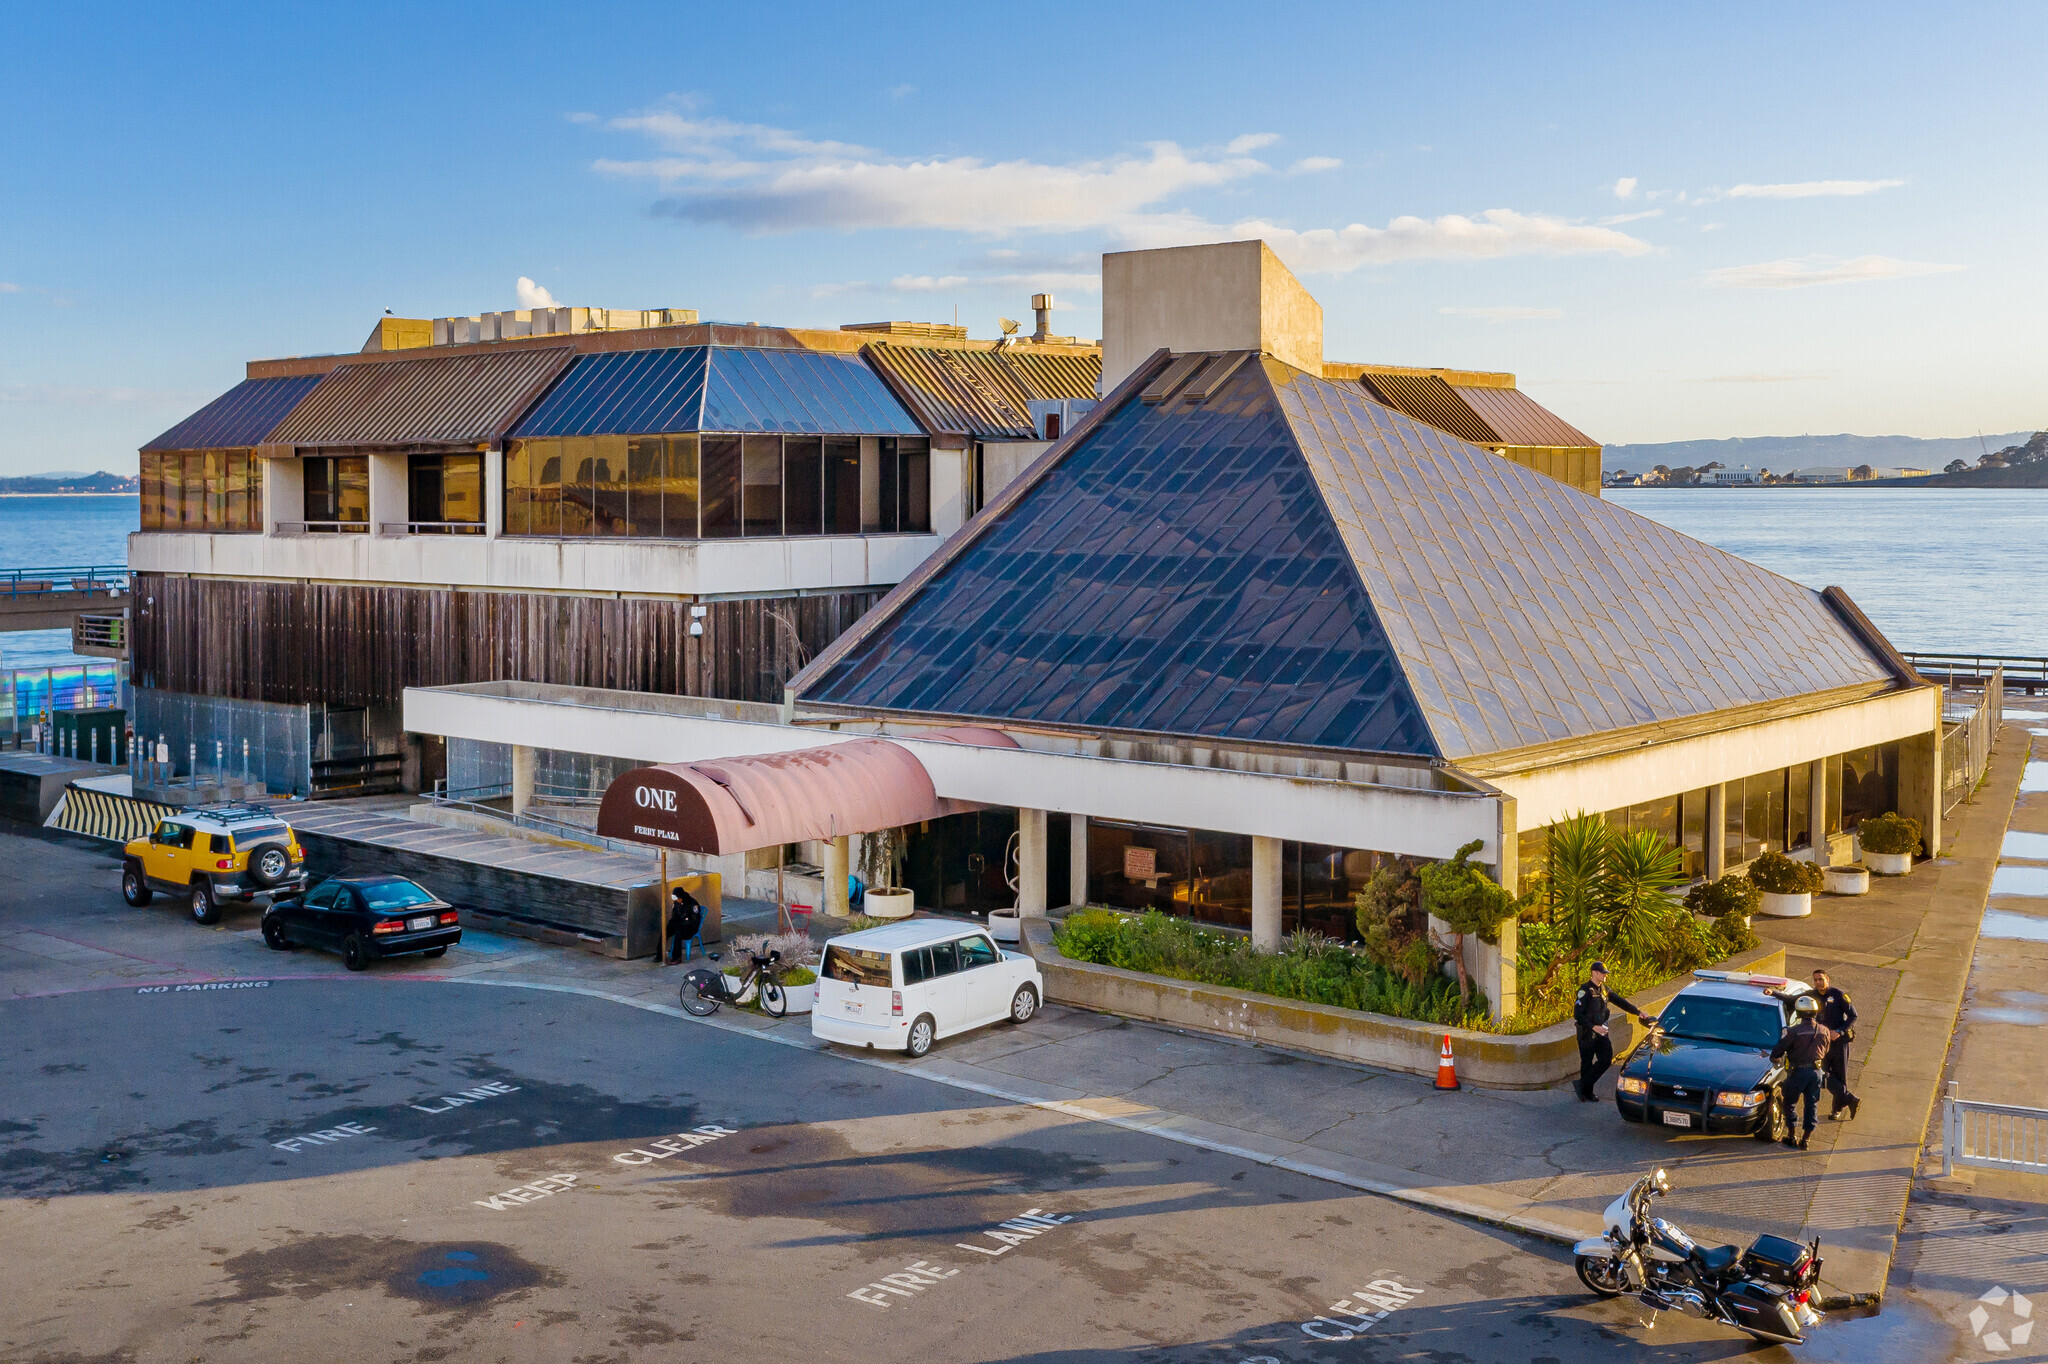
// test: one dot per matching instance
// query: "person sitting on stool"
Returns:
(1803, 1047)
(1590, 1013)
(1838, 1016)
(685, 921)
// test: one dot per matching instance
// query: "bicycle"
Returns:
(705, 988)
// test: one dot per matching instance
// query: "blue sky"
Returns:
(1735, 220)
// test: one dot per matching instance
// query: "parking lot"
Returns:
(215, 1152)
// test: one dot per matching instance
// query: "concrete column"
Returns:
(1817, 809)
(836, 856)
(1920, 780)
(1265, 892)
(1031, 863)
(494, 493)
(523, 758)
(284, 492)
(390, 491)
(1717, 832)
(1499, 979)
(1077, 860)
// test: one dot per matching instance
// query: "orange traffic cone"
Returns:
(1446, 1073)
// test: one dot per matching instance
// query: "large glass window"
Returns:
(337, 493)
(761, 484)
(444, 493)
(803, 485)
(717, 486)
(1798, 806)
(842, 485)
(720, 511)
(201, 490)
(1870, 783)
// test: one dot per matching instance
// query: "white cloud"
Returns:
(900, 91)
(1710, 227)
(768, 180)
(1503, 313)
(1625, 188)
(1313, 165)
(1812, 270)
(1813, 189)
(531, 295)
(1636, 217)
(929, 284)
(580, 116)
(854, 286)
(6, 288)
(1764, 378)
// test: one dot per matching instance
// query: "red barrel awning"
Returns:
(730, 805)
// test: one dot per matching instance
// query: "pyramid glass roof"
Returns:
(1262, 555)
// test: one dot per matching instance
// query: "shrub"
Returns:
(1468, 901)
(1776, 874)
(1641, 870)
(801, 975)
(1393, 928)
(1733, 896)
(1088, 936)
(796, 948)
(1890, 833)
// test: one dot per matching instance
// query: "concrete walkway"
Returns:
(1538, 1161)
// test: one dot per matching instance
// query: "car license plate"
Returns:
(1678, 1120)
(422, 921)
(853, 1006)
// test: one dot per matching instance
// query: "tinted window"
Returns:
(856, 966)
(1705, 1018)
(321, 896)
(976, 952)
(395, 895)
(256, 833)
(917, 965)
(944, 963)
(175, 835)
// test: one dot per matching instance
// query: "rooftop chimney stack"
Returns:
(1041, 308)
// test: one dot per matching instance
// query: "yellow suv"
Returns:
(213, 853)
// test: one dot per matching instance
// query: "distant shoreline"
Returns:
(2, 494)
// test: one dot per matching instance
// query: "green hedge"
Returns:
(1310, 968)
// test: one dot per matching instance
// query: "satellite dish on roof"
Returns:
(1010, 326)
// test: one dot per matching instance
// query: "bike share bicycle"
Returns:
(705, 988)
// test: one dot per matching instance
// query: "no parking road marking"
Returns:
(203, 985)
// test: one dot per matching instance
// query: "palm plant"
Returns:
(1641, 869)
(1579, 880)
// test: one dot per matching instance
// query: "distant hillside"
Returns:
(1782, 453)
(102, 482)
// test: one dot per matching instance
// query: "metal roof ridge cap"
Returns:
(976, 526)
(1345, 390)
(1860, 625)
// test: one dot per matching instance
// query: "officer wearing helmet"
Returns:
(1804, 1049)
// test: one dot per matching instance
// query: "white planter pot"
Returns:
(732, 985)
(1005, 926)
(1888, 864)
(889, 904)
(1847, 880)
(1786, 906)
(802, 998)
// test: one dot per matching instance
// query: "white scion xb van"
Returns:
(903, 986)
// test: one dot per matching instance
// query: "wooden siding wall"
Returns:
(362, 646)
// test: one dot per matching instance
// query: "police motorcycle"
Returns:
(1767, 1290)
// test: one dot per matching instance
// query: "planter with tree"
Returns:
(1469, 902)
(1786, 887)
(1730, 900)
(1887, 843)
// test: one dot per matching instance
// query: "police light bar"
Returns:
(1744, 978)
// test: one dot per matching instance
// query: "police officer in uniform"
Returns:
(1590, 1014)
(1803, 1047)
(1838, 1016)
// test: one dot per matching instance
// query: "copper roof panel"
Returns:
(1429, 399)
(1521, 420)
(981, 392)
(441, 400)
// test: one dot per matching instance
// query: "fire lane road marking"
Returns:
(325, 1136)
(451, 1102)
(916, 1278)
(911, 1279)
(1017, 1231)
(1367, 1307)
(528, 1193)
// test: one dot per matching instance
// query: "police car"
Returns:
(1706, 1064)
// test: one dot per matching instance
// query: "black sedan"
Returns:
(363, 918)
(1706, 1066)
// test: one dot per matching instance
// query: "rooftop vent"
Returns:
(922, 331)
(404, 333)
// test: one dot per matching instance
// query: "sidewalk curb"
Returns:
(1431, 1199)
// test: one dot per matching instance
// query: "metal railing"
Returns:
(473, 800)
(99, 631)
(322, 528)
(1992, 1136)
(430, 528)
(2025, 671)
(1966, 745)
(110, 579)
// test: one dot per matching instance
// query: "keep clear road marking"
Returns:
(664, 1147)
(528, 1193)
(1367, 1307)
(916, 1278)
